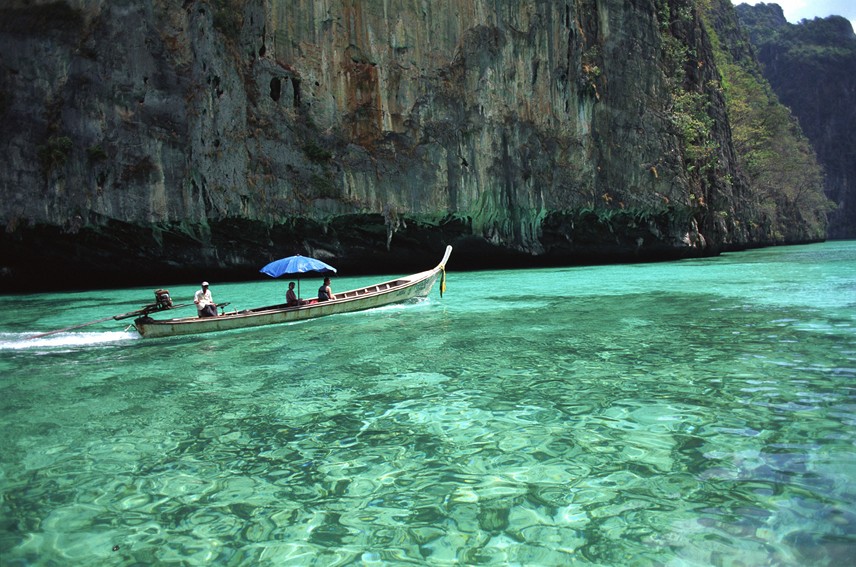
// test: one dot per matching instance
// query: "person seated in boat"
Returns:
(324, 292)
(291, 299)
(205, 305)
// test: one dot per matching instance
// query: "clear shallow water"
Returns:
(691, 413)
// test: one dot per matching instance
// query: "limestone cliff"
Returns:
(148, 141)
(812, 68)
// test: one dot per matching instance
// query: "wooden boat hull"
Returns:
(378, 295)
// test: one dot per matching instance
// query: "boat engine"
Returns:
(162, 299)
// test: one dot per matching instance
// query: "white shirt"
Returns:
(203, 298)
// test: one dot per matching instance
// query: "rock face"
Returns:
(812, 68)
(150, 141)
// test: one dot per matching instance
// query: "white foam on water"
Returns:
(26, 341)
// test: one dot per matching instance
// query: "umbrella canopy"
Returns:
(296, 265)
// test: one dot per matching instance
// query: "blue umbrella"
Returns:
(296, 265)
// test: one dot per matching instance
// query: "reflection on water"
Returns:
(695, 413)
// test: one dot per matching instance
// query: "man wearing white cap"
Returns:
(205, 305)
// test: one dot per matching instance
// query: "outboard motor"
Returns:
(162, 299)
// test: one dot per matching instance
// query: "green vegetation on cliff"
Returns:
(786, 200)
(690, 111)
(811, 66)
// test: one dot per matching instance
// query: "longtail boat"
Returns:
(377, 295)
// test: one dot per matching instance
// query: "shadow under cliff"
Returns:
(119, 255)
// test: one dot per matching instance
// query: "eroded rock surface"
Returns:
(146, 142)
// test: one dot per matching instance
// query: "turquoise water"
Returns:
(691, 413)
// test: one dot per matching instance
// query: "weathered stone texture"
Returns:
(370, 125)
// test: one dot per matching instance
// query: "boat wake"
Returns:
(23, 341)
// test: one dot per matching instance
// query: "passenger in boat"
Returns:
(205, 305)
(324, 292)
(291, 298)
